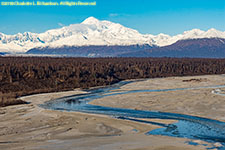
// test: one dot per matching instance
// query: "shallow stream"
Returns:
(191, 127)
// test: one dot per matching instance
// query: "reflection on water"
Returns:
(191, 127)
(193, 130)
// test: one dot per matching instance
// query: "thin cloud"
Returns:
(113, 15)
(61, 25)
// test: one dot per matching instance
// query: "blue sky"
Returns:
(146, 16)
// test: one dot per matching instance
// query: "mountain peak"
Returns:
(90, 20)
(193, 31)
(213, 30)
(214, 33)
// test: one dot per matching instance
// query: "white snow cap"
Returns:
(90, 20)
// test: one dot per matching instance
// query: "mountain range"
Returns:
(198, 48)
(95, 38)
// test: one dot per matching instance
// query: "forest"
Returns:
(30, 75)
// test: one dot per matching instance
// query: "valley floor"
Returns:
(32, 127)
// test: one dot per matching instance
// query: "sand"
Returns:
(32, 127)
(199, 102)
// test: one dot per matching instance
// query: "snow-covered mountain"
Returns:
(94, 32)
(164, 40)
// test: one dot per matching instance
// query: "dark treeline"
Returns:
(28, 75)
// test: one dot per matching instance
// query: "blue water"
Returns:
(188, 126)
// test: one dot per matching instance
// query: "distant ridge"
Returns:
(195, 48)
(90, 51)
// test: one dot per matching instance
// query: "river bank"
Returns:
(31, 127)
(198, 102)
